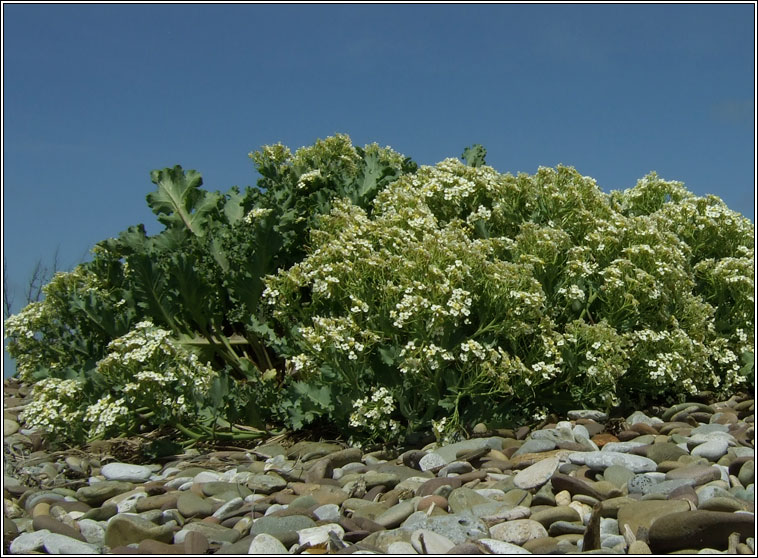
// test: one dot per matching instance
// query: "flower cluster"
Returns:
(373, 415)
(459, 270)
(56, 408)
(152, 371)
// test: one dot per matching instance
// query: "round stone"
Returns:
(712, 450)
(518, 531)
(425, 541)
(537, 474)
(61, 544)
(126, 472)
(599, 460)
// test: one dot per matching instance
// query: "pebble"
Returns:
(669, 480)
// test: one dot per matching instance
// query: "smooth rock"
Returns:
(644, 513)
(190, 504)
(26, 543)
(591, 414)
(267, 483)
(10, 427)
(698, 529)
(599, 460)
(401, 547)
(45, 522)
(712, 450)
(92, 531)
(126, 472)
(432, 461)
(314, 536)
(494, 546)
(699, 474)
(216, 534)
(125, 529)
(60, 544)
(425, 541)
(549, 516)
(535, 445)
(283, 528)
(457, 527)
(518, 531)
(537, 474)
(95, 494)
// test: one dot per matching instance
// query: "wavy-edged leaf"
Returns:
(179, 201)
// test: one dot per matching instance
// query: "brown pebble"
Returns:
(427, 501)
(125, 550)
(150, 546)
(375, 491)
(604, 438)
(355, 536)
(43, 508)
(433, 484)
(53, 525)
(541, 545)
(465, 548)
(522, 432)
(195, 543)
(643, 428)
(626, 435)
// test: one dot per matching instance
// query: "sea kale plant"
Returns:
(353, 290)
(472, 295)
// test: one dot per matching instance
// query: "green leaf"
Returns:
(179, 201)
(474, 156)
(388, 355)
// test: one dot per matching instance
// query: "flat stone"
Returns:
(92, 531)
(622, 447)
(95, 494)
(618, 475)
(45, 522)
(599, 460)
(664, 452)
(395, 515)
(126, 472)
(644, 513)
(431, 461)
(306, 450)
(549, 516)
(149, 546)
(573, 485)
(591, 414)
(60, 544)
(425, 541)
(698, 529)
(457, 527)
(157, 501)
(283, 528)
(267, 483)
(723, 504)
(26, 543)
(190, 504)
(125, 529)
(401, 547)
(712, 450)
(216, 534)
(314, 536)
(327, 512)
(535, 445)
(699, 474)
(564, 527)
(537, 474)
(518, 531)
(10, 427)
(639, 416)
(747, 473)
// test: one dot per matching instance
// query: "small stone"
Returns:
(190, 504)
(494, 546)
(639, 547)
(45, 522)
(425, 541)
(266, 483)
(537, 474)
(747, 473)
(518, 531)
(283, 528)
(125, 529)
(327, 512)
(26, 543)
(599, 460)
(550, 515)
(711, 450)
(61, 544)
(126, 472)
(431, 461)
(97, 493)
(215, 534)
(10, 427)
(699, 474)
(644, 513)
(401, 547)
(598, 416)
(698, 529)
(535, 445)
(315, 536)
(92, 531)
(457, 527)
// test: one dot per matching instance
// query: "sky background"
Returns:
(96, 96)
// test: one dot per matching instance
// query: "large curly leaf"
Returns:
(179, 201)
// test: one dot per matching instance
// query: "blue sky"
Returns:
(96, 96)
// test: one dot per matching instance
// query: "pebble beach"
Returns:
(665, 480)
